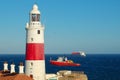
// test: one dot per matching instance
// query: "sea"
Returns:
(95, 66)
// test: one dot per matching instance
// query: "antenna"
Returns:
(35, 2)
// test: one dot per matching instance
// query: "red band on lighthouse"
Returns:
(34, 51)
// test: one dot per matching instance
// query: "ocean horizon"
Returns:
(95, 66)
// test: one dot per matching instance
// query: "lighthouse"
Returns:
(35, 61)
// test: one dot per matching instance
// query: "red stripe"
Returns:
(34, 51)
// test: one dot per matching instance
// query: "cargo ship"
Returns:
(61, 61)
(81, 53)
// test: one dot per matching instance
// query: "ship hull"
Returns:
(57, 63)
(75, 52)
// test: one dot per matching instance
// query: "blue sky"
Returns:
(92, 26)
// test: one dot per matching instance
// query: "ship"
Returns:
(63, 61)
(81, 53)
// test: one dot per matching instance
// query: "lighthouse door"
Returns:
(31, 76)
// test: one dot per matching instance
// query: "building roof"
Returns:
(15, 76)
(22, 77)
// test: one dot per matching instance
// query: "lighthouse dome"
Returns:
(35, 7)
(35, 10)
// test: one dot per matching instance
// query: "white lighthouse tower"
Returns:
(35, 61)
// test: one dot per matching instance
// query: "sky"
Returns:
(92, 26)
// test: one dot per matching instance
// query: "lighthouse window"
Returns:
(38, 17)
(35, 17)
(38, 31)
(31, 64)
(31, 39)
